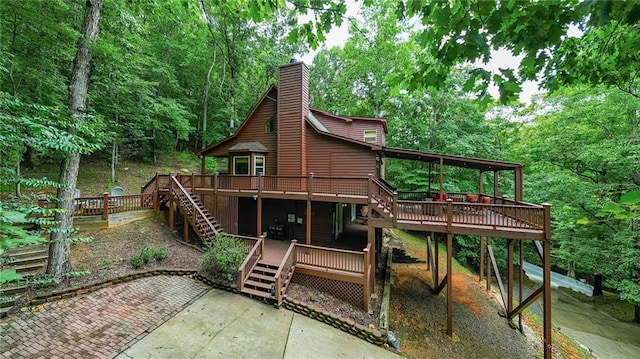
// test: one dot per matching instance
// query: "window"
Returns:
(241, 165)
(270, 126)
(258, 165)
(371, 136)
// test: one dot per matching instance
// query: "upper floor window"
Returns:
(258, 165)
(241, 165)
(371, 136)
(270, 126)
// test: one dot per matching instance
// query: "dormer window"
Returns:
(371, 136)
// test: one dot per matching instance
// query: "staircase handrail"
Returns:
(148, 184)
(251, 260)
(386, 202)
(287, 262)
(193, 204)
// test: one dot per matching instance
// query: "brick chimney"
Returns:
(293, 106)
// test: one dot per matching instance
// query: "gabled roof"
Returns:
(351, 118)
(265, 96)
(326, 132)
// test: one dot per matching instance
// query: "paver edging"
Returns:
(92, 287)
(373, 336)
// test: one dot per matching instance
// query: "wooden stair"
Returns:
(261, 281)
(27, 260)
(401, 256)
(206, 229)
(381, 210)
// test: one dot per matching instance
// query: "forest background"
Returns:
(176, 75)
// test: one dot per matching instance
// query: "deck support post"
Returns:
(509, 307)
(171, 199)
(259, 204)
(215, 194)
(185, 229)
(105, 206)
(518, 184)
(156, 196)
(309, 209)
(488, 265)
(546, 280)
(546, 302)
(449, 284)
(481, 271)
(481, 183)
(496, 185)
(520, 283)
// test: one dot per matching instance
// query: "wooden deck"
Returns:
(499, 217)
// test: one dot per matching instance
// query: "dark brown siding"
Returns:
(359, 126)
(332, 157)
(322, 223)
(277, 211)
(293, 105)
(336, 126)
(254, 131)
(353, 129)
(226, 212)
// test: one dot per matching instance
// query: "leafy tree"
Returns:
(581, 153)
(458, 32)
(59, 248)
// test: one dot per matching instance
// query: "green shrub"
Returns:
(224, 256)
(147, 254)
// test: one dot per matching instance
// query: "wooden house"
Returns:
(301, 175)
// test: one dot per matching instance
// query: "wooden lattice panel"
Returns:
(349, 292)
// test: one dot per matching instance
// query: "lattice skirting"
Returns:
(349, 292)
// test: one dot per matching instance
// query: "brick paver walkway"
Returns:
(97, 324)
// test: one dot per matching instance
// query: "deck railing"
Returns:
(331, 258)
(106, 204)
(284, 270)
(254, 254)
(331, 263)
(523, 216)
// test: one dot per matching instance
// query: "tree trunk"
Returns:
(636, 316)
(207, 83)
(571, 271)
(114, 156)
(59, 262)
(597, 286)
(18, 174)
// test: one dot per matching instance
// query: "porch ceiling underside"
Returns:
(449, 160)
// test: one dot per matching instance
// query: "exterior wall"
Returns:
(330, 157)
(225, 210)
(254, 131)
(353, 129)
(277, 210)
(322, 223)
(293, 105)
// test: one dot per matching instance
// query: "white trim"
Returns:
(255, 164)
(368, 134)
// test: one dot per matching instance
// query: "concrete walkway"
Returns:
(172, 317)
(226, 325)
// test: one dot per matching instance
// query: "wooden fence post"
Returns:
(395, 208)
(105, 203)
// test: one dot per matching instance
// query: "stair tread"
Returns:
(254, 283)
(262, 276)
(256, 293)
(265, 270)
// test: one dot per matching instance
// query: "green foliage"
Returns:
(223, 256)
(459, 32)
(147, 254)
